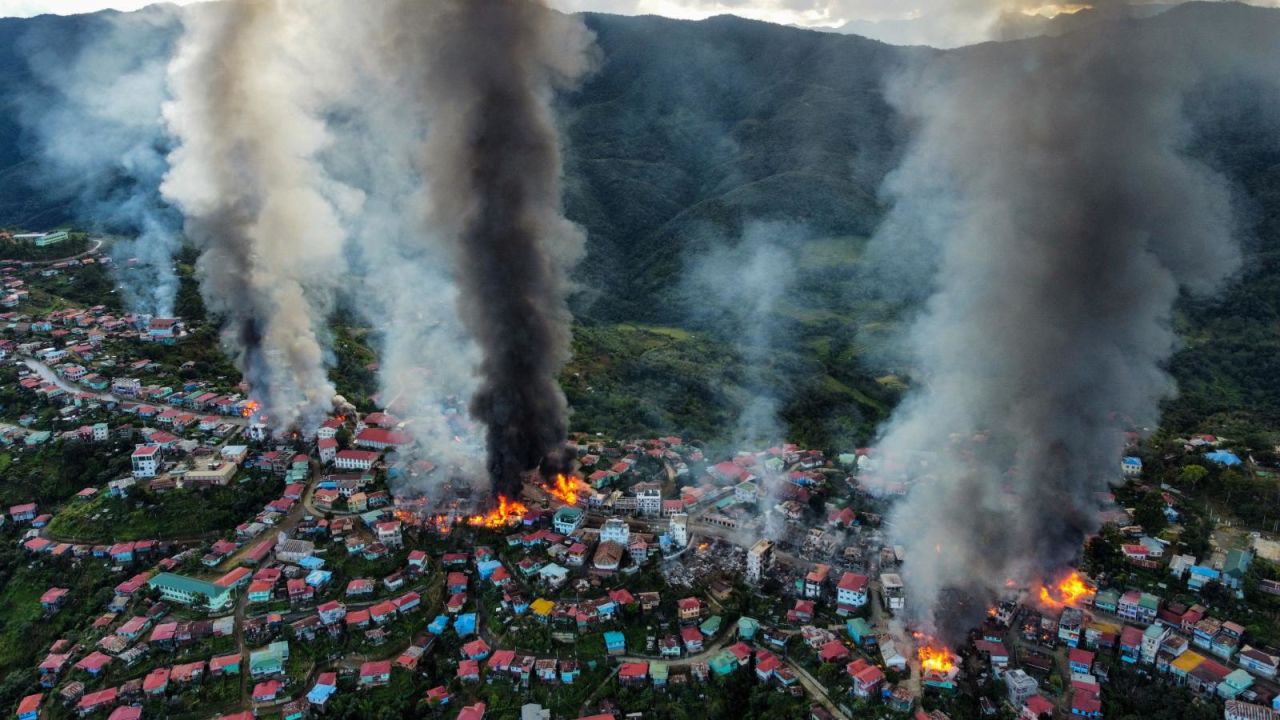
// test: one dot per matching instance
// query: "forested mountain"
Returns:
(690, 133)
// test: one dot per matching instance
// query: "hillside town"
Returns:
(659, 569)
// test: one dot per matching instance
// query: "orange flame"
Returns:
(1068, 591)
(507, 512)
(934, 659)
(250, 408)
(567, 489)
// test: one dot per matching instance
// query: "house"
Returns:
(1235, 567)
(1259, 663)
(269, 660)
(567, 519)
(867, 678)
(472, 712)
(615, 643)
(633, 674)
(833, 651)
(53, 599)
(815, 581)
(851, 592)
(692, 639)
(29, 707)
(468, 671)
(375, 673)
(802, 612)
(267, 691)
(146, 461)
(1130, 644)
(25, 512)
(689, 609)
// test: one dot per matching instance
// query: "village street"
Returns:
(48, 375)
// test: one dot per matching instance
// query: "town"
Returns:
(201, 568)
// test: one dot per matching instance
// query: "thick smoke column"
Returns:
(1049, 180)
(247, 112)
(94, 118)
(493, 170)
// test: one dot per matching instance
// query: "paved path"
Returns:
(48, 375)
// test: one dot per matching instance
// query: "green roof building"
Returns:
(269, 660)
(190, 591)
(748, 627)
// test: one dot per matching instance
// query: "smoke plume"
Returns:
(247, 112)
(1050, 181)
(404, 289)
(94, 119)
(736, 290)
(492, 162)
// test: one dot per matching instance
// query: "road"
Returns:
(47, 374)
(97, 243)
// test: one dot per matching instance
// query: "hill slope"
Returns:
(691, 131)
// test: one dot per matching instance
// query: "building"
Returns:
(816, 581)
(567, 519)
(679, 529)
(190, 591)
(759, 559)
(355, 459)
(615, 530)
(648, 499)
(146, 461)
(1020, 686)
(893, 591)
(851, 592)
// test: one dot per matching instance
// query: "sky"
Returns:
(793, 12)
(943, 23)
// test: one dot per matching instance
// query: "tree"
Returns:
(1149, 513)
(1191, 475)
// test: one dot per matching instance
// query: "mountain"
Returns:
(691, 131)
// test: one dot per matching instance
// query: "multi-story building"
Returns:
(680, 529)
(851, 592)
(616, 530)
(567, 519)
(648, 499)
(759, 558)
(146, 461)
(1020, 686)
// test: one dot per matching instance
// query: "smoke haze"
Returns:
(247, 114)
(1049, 179)
(94, 118)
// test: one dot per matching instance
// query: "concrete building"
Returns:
(759, 558)
(615, 530)
(648, 499)
(1020, 686)
(146, 461)
(567, 519)
(190, 591)
(679, 529)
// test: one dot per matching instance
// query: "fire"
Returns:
(250, 408)
(1068, 591)
(937, 660)
(507, 512)
(566, 488)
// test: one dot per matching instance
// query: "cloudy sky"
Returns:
(797, 12)
(936, 22)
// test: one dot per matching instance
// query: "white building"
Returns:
(759, 558)
(101, 432)
(746, 492)
(648, 499)
(327, 448)
(615, 529)
(146, 461)
(355, 459)
(1020, 685)
(852, 590)
(680, 529)
(292, 550)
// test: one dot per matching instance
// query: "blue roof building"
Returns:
(615, 642)
(465, 624)
(439, 625)
(1222, 457)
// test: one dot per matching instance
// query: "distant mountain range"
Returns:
(690, 130)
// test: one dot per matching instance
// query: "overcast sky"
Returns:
(944, 23)
(798, 12)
